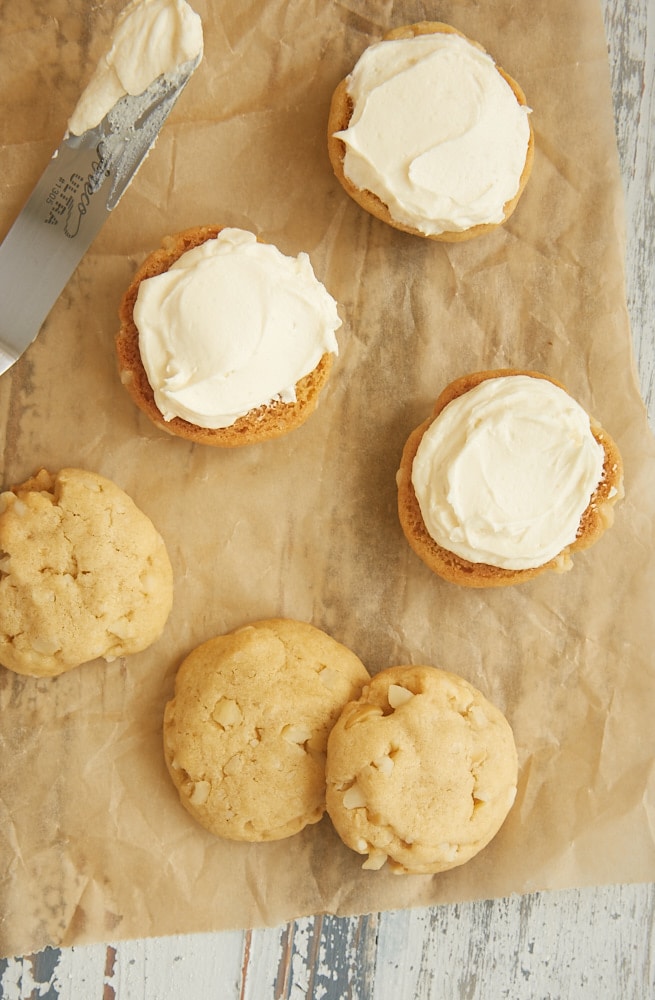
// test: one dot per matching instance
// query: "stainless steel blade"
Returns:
(83, 182)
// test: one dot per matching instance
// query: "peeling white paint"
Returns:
(509, 948)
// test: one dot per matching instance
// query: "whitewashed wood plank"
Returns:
(347, 955)
(193, 967)
(79, 972)
(630, 29)
(591, 945)
(264, 962)
(55, 974)
(324, 957)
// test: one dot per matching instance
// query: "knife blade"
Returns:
(83, 182)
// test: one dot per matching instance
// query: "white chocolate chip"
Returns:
(375, 861)
(88, 484)
(227, 713)
(200, 793)
(384, 764)
(398, 695)
(330, 678)
(448, 851)
(45, 647)
(296, 734)
(234, 765)
(122, 628)
(477, 715)
(353, 797)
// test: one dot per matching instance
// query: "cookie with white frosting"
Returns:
(245, 735)
(428, 134)
(224, 340)
(83, 574)
(506, 479)
(421, 771)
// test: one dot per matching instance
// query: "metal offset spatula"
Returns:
(83, 182)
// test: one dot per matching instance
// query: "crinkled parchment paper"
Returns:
(93, 842)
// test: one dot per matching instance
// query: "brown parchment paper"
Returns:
(93, 842)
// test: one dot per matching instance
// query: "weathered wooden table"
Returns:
(593, 943)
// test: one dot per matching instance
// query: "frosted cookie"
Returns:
(245, 735)
(506, 479)
(429, 135)
(421, 771)
(83, 574)
(224, 340)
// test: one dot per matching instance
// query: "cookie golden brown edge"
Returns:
(261, 424)
(84, 574)
(598, 516)
(245, 734)
(421, 771)
(341, 109)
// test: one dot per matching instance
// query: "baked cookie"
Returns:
(506, 479)
(421, 771)
(245, 735)
(223, 339)
(83, 574)
(430, 136)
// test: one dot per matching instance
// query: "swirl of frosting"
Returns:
(436, 132)
(505, 472)
(151, 37)
(233, 325)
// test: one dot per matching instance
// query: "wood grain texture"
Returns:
(592, 944)
(596, 944)
(630, 30)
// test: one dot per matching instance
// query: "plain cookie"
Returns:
(83, 574)
(421, 771)
(245, 735)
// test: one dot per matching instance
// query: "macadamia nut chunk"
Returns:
(83, 574)
(245, 736)
(421, 771)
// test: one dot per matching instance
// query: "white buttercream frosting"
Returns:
(504, 473)
(151, 37)
(233, 325)
(436, 132)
